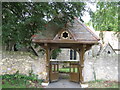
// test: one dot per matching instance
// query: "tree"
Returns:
(106, 16)
(20, 20)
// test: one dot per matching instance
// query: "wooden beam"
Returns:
(65, 41)
(88, 47)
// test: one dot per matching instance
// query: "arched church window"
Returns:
(73, 54)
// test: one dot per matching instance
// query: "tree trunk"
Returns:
(102, 36)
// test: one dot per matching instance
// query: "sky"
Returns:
(86, 17)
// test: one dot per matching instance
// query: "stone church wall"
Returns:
(65, 55)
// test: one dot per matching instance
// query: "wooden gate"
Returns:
(74, 72)
(54, 71)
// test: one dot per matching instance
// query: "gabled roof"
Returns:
(79, 33)
(82, 32)
(108, 49)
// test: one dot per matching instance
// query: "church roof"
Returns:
(75, 32)
(108, 49)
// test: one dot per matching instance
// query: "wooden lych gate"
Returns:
(74, 36)
(54, 71)
(74, 72)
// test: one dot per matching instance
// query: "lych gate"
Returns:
(74, 36)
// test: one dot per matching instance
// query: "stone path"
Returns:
(63, 83)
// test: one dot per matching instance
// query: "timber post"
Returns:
(81, 54)
(47, 62)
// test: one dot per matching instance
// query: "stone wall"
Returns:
(65, 54)
(23, 62)
(97, 67)
(101, 68)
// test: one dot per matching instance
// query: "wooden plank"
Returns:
(54, 76)
(74, 77)
(63, 60)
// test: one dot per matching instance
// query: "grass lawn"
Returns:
(103, 84)
(32, 83)
(23, 81)
(66, 70)
(9, 84)
(20, 81)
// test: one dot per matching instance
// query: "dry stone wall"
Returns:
(24, 63)
(101, 68)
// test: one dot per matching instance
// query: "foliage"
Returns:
(18, 76)
(20, 20)
(55, 53)
(105, 18)
(18, 80)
